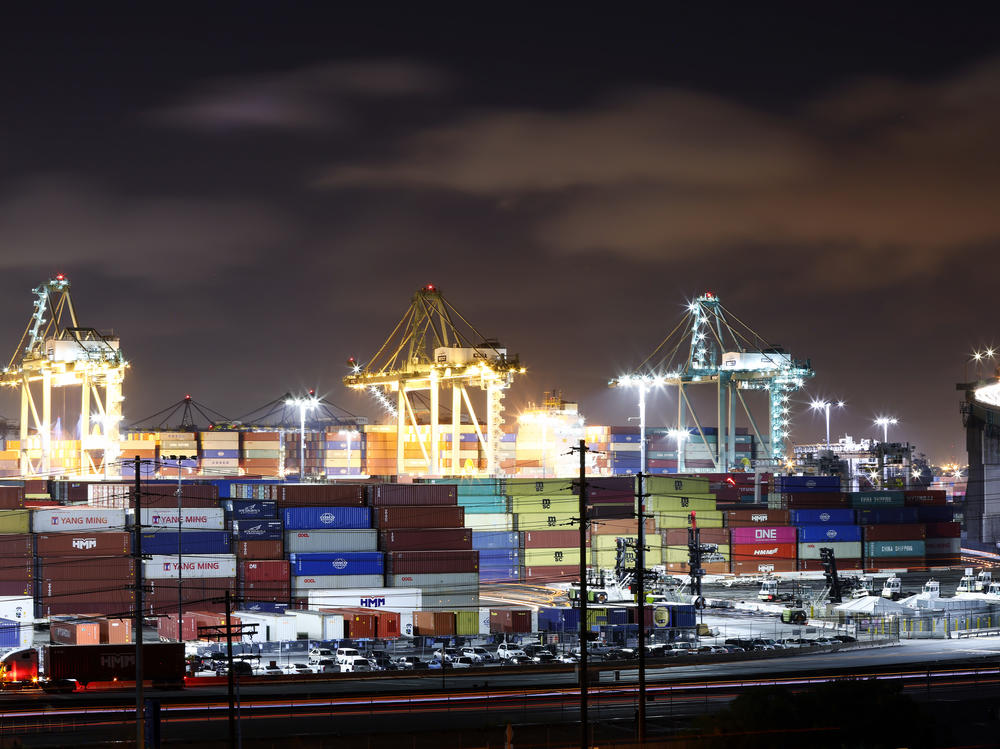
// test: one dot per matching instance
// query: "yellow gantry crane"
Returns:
(425, 353)
(56, 352)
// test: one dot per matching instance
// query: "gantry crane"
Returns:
(710, 345)
(61, 355)
(427, 351)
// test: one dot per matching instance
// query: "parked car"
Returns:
(447, 654)
(825, 641)
(344, 653)
(845, 638)
(325, 666)
(463, 661)
(410, 663)
(317, 654)
(568, 658)
(543, 657)
(534, 649)
(519, 660)
(507, 650)
(271, 668)
(381, 662)
(355, 663)
(299, 668)
(438, 663)
(482, 654)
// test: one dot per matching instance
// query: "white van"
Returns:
(344, 653)
(355, 663)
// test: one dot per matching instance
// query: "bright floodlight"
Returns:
(990, 352)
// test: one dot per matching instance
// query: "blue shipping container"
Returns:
(267, 607)
(499, 574)
(814, 534)
(833, 516)
(258, 530)
(495, 540)
(797, 484)
(220, 454)
(344, 563)
(10, 633)
(499, 556)
(888, 516)
(328, 518)
(192, 542)
(936, 514)
(252, 509)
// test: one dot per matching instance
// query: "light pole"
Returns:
(304, 404)
(679, 436)
(819, 405)
(349, 435)
(884, 422)
(642, 383)
(180, 562)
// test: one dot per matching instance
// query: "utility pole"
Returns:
(694, 559)
(180, 549)
(140, 725)
(228, 630)
(584, 631)
(640, 581)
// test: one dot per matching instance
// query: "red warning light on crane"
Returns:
(60, 276)
(311, 392)
(430, 287)
(709, 295)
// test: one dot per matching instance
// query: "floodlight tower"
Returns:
(56, 352)
(426, 352)
(711, 346)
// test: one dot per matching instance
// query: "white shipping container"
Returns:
(270, 627)
(484, 620)
(78, 519)
(204, 518)
(317, 625)
(489, 521)
(391, 599)
(304, 583)
(841, 550)
(165, 566)
(18, 609)
(365, 539)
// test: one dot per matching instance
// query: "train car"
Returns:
(162, 663)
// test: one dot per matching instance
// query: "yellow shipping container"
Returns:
(15, 521)
(560, 504)
(680, 519)
(467, 623)
(600, 543)
(537, 521)
(542, 487)
(679, 504)
(674, 486)
(542, 557)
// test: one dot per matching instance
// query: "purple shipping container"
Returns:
(414, 494)
(782, 534)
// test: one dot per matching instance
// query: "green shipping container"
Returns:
(679, 504)
(671, 486)
(876, 499)
(15, 521)
(467, 623)
(545, 503)
(548, 557)
(881, 549)
(548, 487)
(540, 521)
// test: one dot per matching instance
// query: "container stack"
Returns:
(604, 537)
(661, 455)
(499, 555)
(832, 528)
(470, 454)
(220, 453)
(206, 568)
(763, 550)
(331, 547)
(261, 453)
(546, 504)
(507, 452)
(671, 500)
(315, 447)
(10, 458)
(183, 445)
(676, 555)
(944, 543)
(84, 562)
(625, 450)
(893, 538)
(599, 443)
(380, 450)
(699, 448)
(137, 444)
(16, 547)
(345, 452)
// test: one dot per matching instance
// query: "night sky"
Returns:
(248, 197)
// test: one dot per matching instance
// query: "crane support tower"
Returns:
(57, 353)
(427, 352)
(711, 346)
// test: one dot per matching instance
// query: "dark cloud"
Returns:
(56, 222)
(310, 98)
(880, 171)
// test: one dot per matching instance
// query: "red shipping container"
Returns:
(433, 623)
(113, 569)
(679, 536)
(922, 497)
(816, 565)
(426, 562)
(15, 546)
(268, 590)
(264, 571)
(549, 539)
(36, 486)
(17, 569)
(433, 516)
(207, 623)
(11, 497)
(320, 495)
(815, 500)
(96, 544)
(426, 539)
(762, 516)
(17, 587)
(895, 563)
(608, 527)
(759, 566)
(410, 495)
(510, 621)
(360, 626)
(208, 594)
(259, 549)
(612, 511)
(103, 590)
(745, 552)
(902, 532)
(944, 530)
(67, 606)
(553, 573)
(75, 633)
(388, 625)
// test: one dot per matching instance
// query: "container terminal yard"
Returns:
(448, 551)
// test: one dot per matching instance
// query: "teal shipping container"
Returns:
(876, 499)
(881, 549)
